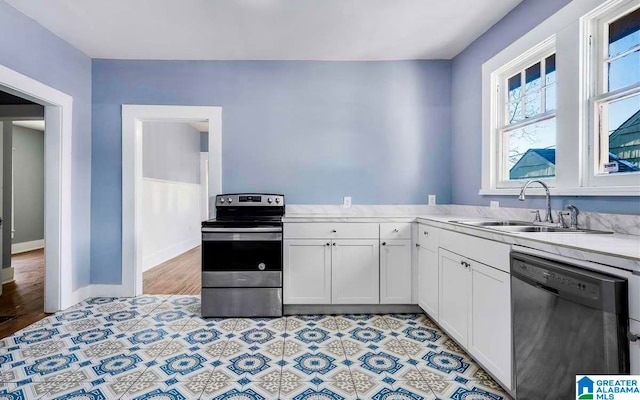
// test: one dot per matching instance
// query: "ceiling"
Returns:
(37, 125)
(268, 29)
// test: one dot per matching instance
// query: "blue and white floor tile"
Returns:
(158, 347)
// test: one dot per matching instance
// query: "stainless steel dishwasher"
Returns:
(567, 321)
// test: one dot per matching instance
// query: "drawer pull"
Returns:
(396, 230)
(417, 244)
(334, 231)
(426, 233)
(633, 336)
(384, 243)
(328, 244)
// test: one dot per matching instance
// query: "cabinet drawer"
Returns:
(428, 237)
(389, 230)
(326, 230)
(493, 254)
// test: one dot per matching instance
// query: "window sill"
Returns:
(576, 191)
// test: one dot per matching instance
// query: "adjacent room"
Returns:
(337, 199)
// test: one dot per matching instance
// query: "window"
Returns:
(615, 132)
(562, 104)
(526, 124)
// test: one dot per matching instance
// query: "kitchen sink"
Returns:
(494, 223)
(545, 229)
(524, 227)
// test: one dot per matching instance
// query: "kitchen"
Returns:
(402, 213)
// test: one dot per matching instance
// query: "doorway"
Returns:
(167, 277)
(22, 203)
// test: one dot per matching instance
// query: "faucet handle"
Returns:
(561, 221)
(537, 217)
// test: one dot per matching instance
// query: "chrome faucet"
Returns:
(548, 217)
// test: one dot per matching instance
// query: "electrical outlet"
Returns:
(494, 204)
(346, 202)
(431, 200)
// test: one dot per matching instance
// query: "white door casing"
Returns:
(59, 263)
(132, 118)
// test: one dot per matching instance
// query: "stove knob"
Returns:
(230, 200)
(277, 200)
(262, 266)
(221, 199)
(269, 200)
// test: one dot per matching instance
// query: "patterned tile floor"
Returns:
(158, 347)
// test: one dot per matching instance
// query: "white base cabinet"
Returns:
(454, 295)
(395, 271)
(355, 272)
(428, 282)
(307, 271)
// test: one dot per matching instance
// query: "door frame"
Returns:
(58, 115)
(132, 118)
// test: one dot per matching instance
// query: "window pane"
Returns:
(550, 69)
(624, 33)
(515, 113)
(514, 92)
(624, 71)
(624, 135)
(550, 97)
(532, 78)
(532, 104)
(532, 151)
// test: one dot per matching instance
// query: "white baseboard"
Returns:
(157, 258)
(23, 247)
(6, 275)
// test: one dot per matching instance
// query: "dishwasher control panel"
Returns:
(558, 281)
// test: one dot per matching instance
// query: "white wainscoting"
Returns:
(17, 248)
(171, 218)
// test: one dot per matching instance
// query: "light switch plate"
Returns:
(346, 202)
(432, 200)
(494, 204)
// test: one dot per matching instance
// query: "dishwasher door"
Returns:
(567, 321)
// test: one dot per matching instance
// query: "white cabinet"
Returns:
(489, 337)
(634, 348)
(428, 281)
(395, 271)
(307, 271)
(355, 272)
(475, 309)
(454, 295)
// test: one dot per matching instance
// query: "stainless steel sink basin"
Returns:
(494, 223)
(545, 229)
(524, 227)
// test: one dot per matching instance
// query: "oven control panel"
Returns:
(249, 199)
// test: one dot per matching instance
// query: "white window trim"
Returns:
(592, 25)
(566, 26)
(498, 79)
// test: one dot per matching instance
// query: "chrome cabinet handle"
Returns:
(328, 244)
(384, 243)
(334, 244)
(396, 230)
(334, 231)
(417, 244)
(465, 264)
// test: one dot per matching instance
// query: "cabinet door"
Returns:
(490, 320)
(395, 272)
(307, 271)
(428, 293)
(634, 348)
(454, 295)
(355, 271)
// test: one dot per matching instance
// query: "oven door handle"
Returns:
(243, 230)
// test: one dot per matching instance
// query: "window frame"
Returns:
(500, 104)
(596, 57)
(573, 107)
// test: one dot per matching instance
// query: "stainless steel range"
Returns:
(242, 257)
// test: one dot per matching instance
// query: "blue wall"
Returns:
(315, 131)
(466, 107)
(27, 47)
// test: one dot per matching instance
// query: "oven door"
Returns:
(257, 249)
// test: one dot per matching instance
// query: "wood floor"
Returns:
(24, 297)
(180, 275)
